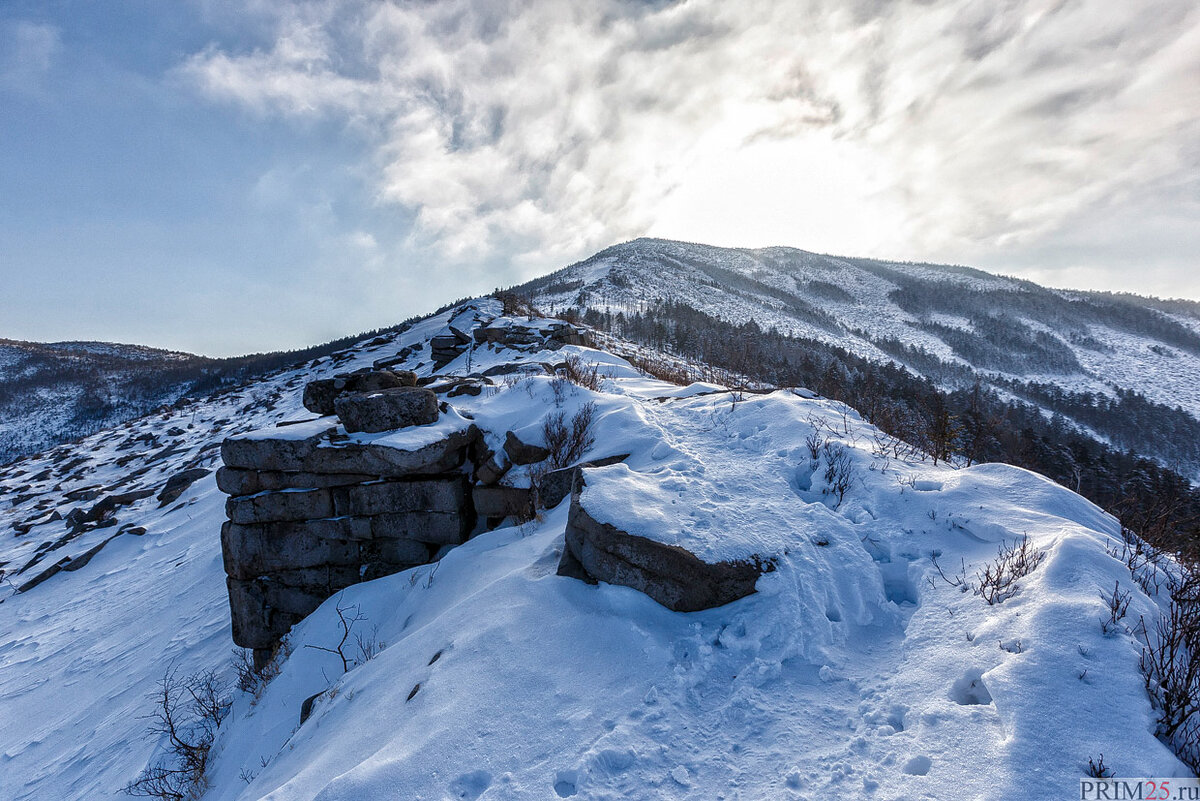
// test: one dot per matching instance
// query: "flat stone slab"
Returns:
(250, 551)
(434, 528)
(236, 481)
(387, 409)
(319, 446)
(499, 501)
(676, 578)
(321, 395)
(447, 495)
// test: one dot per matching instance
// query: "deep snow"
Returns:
(855, 670)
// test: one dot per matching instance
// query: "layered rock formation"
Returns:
(313, 510)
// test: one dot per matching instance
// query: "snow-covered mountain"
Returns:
(863, 666)
(58, 391)
(55, 392)
(1127, 364)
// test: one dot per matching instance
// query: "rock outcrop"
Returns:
(313, 510)
(598, 551)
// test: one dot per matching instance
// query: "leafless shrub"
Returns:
(1170, 663)
(815, 442)
(348, 617)
(661, 369)
(1118, 605)
(568, 443)
(250, 680)
(839, 470)
(958, 580)
(998, 580)
(1098, 770)
(583, 373)
(187, 712)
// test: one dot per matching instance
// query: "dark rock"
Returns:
(503, 502)
(520, 453)
(320, 396)
(235, 481)
(86, 556)
(387, 409)
(490, 471)
(109, 504)
(556, 485)
(84, 493)
(53, 570)
(433, 528)
(316, 454)
(178, 483)
(671, 575)
(306, 707)
(250, 551)
(358, 500)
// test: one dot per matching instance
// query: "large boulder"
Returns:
(309, 448)
(178, 483)
(522, 453)
(498, 501)
(320, 395)
(387, 409)
(676, 578)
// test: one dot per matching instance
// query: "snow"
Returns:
(854, 671)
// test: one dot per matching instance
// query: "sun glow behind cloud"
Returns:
(543, 130)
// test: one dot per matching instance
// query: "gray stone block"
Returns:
(445, 495)
(270, 507)
(253, 550)
(503, 502)
(671, 575)
(320, 396)
(387, 409)
(316, 454)
(521, 453)
(236, 481)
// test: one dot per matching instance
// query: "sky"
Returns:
(226, 177)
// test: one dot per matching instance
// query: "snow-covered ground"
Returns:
(855, 669)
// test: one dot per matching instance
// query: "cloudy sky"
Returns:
(232, 176)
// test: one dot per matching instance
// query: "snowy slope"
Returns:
(53, 392)
(1094, 342)
(855, 669)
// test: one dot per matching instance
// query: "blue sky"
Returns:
(224, 179)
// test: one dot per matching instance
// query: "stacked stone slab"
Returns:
(312, 511)
(546, 334)
(595, 550)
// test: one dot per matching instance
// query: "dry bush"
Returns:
(582, 373)
(568, 443)
(1170, 664)
(187, 712)
(839, 470)
(516, 306)
(661, 369)
(998, 579)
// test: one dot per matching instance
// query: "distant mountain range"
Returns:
(1123, 368)
(56, 392)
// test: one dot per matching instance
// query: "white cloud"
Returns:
(27, 53)
(530, 132)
